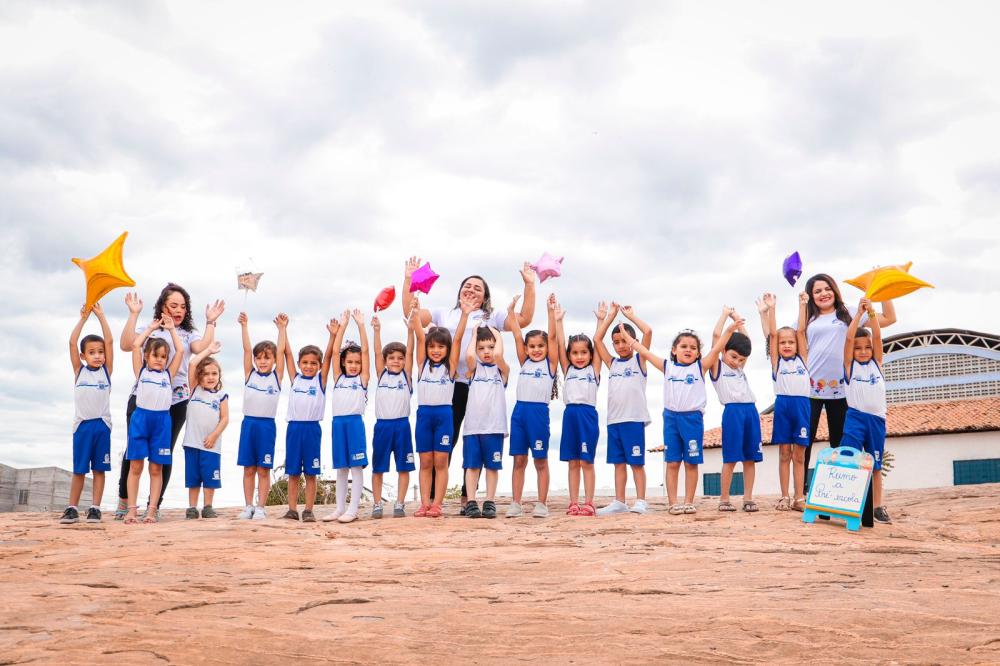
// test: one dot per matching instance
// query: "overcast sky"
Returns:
(673, 152)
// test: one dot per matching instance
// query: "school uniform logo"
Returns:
(583, 447)
(803, 433)
(107, 458)
(627, 373)
(315, 462)
(101, 386)
(445, 440)
(693, 446)
(636, 451)
(538, 374)
(267, 458)
(409, 457)
(164, 452)
(358, 456)
(215, 475)
(271, 390)
(311, 391)
(215, 405)
(538, 445)
(496, 456)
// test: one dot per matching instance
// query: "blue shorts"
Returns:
(529, 429)
(434, 430)
(257, 435)
(302, 446)
(149, 436)
(683, 433)
(865, 432)
(627, 443)
(791, 420)
(482, 451)
(92, 447)
(580, 433)
(201, 468)
(741, 433)
(391, 437)
(350, 448)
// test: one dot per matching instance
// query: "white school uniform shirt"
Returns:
(683, 387)
(791, 377)
(826, 335)
(434, 385)
(866, 388)
(486, 412)
(449, 318)
(260, 395)
(306, 400)
(181, 390)
(203, 414)
(534, 381)
(731, 385)
(392, 395)
(152, 390)
(580, 385)
(627, 392)
(350, 396)
(92, 395)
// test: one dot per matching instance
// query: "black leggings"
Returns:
(178, 414)
(836, 413)
(459, 401)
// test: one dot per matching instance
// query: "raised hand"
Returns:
(762, 306)
(243, 319)
(770, 300)
(167, 322)
(376, 324)
(215, 310)
(728, 311)
(358, 316)
(552, 302)
(97, 309)
(513, 304)
(215, 347)
(345, 317)
(281, 320)
(803, 298)
(412, 264)
(333, 326)
(527, 273)
(602, 311)
(628, 338)
(735, 324)
(133, 302)
(467, 306)
(627, 310)
(558, 312)
(84, 312)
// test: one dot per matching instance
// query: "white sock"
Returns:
(341, 489)
(357, 477)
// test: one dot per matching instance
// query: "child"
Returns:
(740, 420)
(92, 365)
(263, 372)
(628, 412)
(538, 354)
(437, 357)
(683, 409)
(306, 403)
(580, 431)
(350, 396)
(485, 418)
(207, 417)
(149, 428)
(787, 351)
(394, 367)
(864, 428)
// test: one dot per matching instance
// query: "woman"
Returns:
(175, 302)
(474, 289)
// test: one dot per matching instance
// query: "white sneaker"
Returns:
(541, 511)
(246, 514)
(639, 506)
(347, 517)
(615, 507)
(330, 517)
(259, 513)
(514, 510)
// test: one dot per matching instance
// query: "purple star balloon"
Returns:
(792, 268)
(548, 266)
(423, 279)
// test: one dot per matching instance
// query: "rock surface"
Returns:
(707, 588)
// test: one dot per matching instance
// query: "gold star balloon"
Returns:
(105, 271)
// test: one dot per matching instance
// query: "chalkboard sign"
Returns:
(839, 486)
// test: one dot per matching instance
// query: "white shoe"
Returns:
(259, 513)
(541, 511)
(330, 517)
(514, 510)
(615, 507)
(348, 517)
(639, 506)
(246, 513)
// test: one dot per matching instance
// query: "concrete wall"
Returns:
(48, 488)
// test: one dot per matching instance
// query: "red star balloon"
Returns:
(385, 298)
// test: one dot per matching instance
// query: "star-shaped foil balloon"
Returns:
(248, 281)
(105, 271)
(547, 267)
(423, 279)
(888, 283)
(792, 268)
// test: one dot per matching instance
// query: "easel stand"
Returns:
(841, 488)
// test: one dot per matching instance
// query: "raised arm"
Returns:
(727, 313)
(247, 346)
(559, 314)
(770, 320)
(763, 308)
(338, 342)
(408, 361)
(138, 342)
(604, 319)
(709, 362)
(74, 342)
(417, 330)
(528, 304)
(359, 319)
(644, 328)
(554, 346)
(642, 350)
(175, 363)
(214, 348)
(888, 315)
(852, 332)
(470, 357)
(876, 329)
(456, 345)
(335, 329)
(514, 326)
(597, 360)
(498, 356)
(800, 331)
(377, 340)
(284, 348)
(412, 264)
(212, 313)
(134, 305)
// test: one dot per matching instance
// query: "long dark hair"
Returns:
(441, 336)
(187, 323)
(545, 337)
(487, 306)
(812, 310)
(349, 348)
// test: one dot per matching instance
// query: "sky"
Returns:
(674, 153)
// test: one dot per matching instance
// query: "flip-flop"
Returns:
(726, 506)
(750, 506)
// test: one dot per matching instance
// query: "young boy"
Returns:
(92, 364)
(740, 420)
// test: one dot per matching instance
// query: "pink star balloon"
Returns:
(423, 279)
(548, 266)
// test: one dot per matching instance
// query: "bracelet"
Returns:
(209, 322)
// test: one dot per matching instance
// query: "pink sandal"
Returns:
(573, 510)
(587, 510)
(421, 512)
(434, 511)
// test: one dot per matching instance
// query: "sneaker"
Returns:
(640, 507)
(291, 514)
(882, 516)
(398, 511)
(308, 516)
(615, 507)
(472, 510)
(332, 516)
(350, 516)
(70, 516)
(514, 510)
(93, 515)
(541, 511)
(377, 511)
(190, 514)
(208, 512)
(259, 513)
(489, 509)
(247, 513)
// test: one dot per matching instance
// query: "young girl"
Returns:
(628, 412)
(580, 431)
(149, 428)
(787, 351)
(350, 397)
(538, 354)
(263, 371)
(207, 417)
(394, 367)
(306, 403)
(864, 427)
(485, 418)
(437, 357)
(683, 408)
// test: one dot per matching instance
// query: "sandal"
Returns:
(784, 504)
(726, 506)
(421, 512)
(151, 517)
(676, 509)
(799, 505)
(750, 506)
(433, 511)
(587, 510)
(690, 508)
(122, 509)
(573, 510)
(131, 519)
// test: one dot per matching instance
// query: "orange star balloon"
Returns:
(888, 282)
(105, 271)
